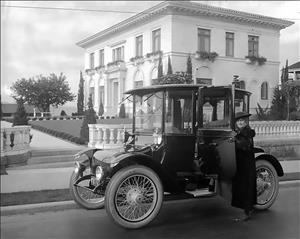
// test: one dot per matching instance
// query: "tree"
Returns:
(63, 113)
(278, 111)
(189, 69)
(122, 113)
(170, 71)
(101, 109)
(80, 96)
(43, 91)
(159, 68)
(20, 116)
(89, 118)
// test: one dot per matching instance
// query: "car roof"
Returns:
(155, 88)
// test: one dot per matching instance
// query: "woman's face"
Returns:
(241, 123)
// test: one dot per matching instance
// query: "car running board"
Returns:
(201, 193)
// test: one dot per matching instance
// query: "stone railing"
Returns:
(15, 147)
(272, 128)
(112, 135)
(105, 136)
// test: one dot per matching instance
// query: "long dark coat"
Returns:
(244, 182)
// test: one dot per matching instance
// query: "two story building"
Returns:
(126, 55)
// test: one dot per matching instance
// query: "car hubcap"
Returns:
(265, 181)
(136, 198)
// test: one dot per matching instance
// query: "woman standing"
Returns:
(244, 183)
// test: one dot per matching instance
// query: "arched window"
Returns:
(153, 74)
(138, 79)
(242, 85)
(264, 91)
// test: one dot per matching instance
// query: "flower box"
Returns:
(204, 55)
(260, 60)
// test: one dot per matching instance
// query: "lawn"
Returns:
(72, 127)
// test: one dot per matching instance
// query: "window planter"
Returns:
(98, 68)
(90, 71)
(153, 54)
(137, 60)
(204, 55)
(115, 63)
(254, 59)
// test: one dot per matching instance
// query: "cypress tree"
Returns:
(89, 118)
(170, 71)
(159, 68)
(80, 96)
(278, 107)
(122, 113)
(20, 116)
(101, 109)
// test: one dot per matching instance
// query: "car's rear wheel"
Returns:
(134, 196)
(267, 184)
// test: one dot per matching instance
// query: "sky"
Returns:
(43, 41)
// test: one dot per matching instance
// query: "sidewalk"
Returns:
(25, 180)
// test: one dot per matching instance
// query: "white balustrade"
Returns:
(273, 128)
(111, 135)
(15, 146)
(106, 136)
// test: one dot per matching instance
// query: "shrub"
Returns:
(122, 113)
(63, 113)
(20, 116)
(90, 118)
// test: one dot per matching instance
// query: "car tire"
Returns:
(267, 184)
(134, 196)
(78, 197)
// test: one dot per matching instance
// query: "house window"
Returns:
(138, 80)
(138, 84)
(92, 61)
(118, 54)
(156, 40)
(253, 46)
(203, 40)
(101, 57)
(264, 91)
(229, 44)
(139, 46)
(101, 94)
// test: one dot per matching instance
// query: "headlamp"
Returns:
(99, 173)
(77, 167)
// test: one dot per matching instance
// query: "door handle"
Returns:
(231, 140)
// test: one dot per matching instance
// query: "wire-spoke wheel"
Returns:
(267, 184)
(83, 193)
(134, 196)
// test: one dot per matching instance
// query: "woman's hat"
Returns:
(239, 115)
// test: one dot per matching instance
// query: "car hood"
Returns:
(108, 155)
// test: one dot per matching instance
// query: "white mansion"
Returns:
(126, 55)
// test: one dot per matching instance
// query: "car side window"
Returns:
(216, 113)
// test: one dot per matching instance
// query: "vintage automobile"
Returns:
(182, 143)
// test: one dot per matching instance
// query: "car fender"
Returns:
(132, 158)
(270, 158)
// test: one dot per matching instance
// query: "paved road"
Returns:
(207, 218)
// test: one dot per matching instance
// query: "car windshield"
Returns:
(148, 113)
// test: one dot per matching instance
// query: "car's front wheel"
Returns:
(82, 192)
(267, 184)
(134, 196)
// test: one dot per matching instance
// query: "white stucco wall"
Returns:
(178, 39)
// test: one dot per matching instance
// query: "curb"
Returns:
(67, 205)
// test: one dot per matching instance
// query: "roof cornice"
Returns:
(190, 9)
